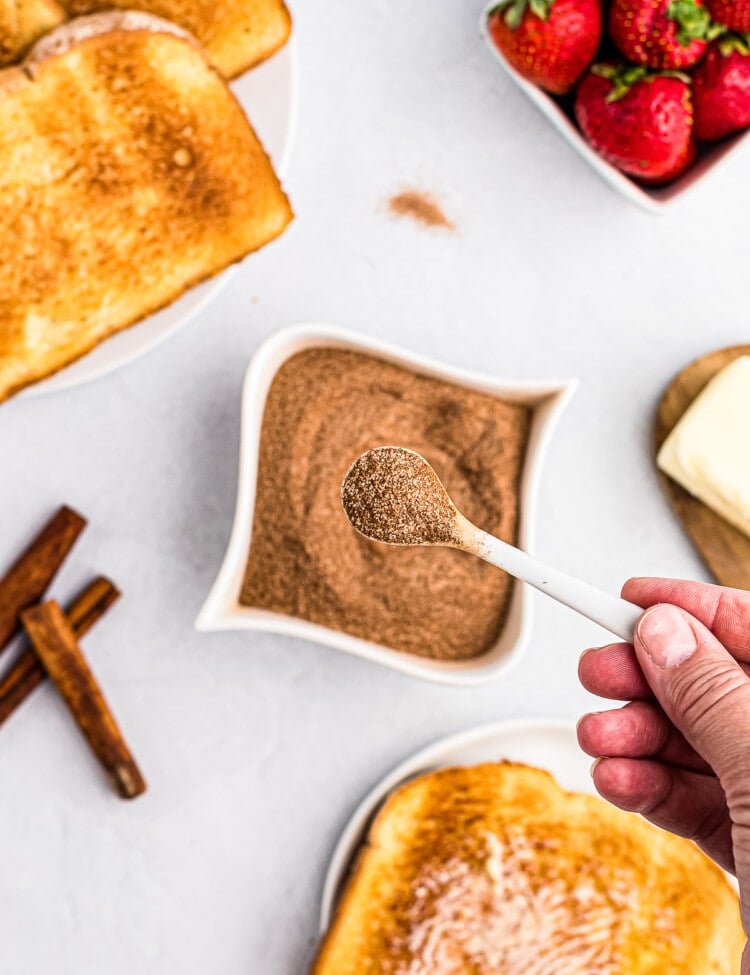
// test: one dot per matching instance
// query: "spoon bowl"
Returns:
(392, 495)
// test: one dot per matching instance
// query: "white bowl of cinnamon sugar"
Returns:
(315, 397)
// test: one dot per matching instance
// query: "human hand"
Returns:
(679, 752)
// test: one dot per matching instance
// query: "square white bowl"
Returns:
(222, 609)
(655, 199)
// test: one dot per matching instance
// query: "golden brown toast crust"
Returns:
(237, 34)
(82, 29)
(128, 173)
(495, 870)
(22, 22)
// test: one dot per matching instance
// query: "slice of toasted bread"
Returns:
(128, 173)
(495, 870)
(22, 22)
(237, 34)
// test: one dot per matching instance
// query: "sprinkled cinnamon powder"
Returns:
(392, 495)
(515, 911)
(421, 207)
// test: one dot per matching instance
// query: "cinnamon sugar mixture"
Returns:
(392, 495)
(325, 408)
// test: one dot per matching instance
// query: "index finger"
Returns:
(726, 612)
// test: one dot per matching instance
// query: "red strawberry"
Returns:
(661, 33)
(549, 42)
(721, 88)
(734, 14)
(639, 121)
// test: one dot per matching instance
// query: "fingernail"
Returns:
(666, 636)
(590, 650)
(594, 766)
(591, 714)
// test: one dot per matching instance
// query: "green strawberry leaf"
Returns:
(604, 70)
(540, 8)
(693, 22)
(515, 10)
(624, 76)
(715, 30)
(734, 43)
(515, 13)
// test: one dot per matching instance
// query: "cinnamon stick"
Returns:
(27, 673)
(55, 642)
(28, 578)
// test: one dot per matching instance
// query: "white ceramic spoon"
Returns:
(392, 495)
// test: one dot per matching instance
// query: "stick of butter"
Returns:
(708, 451)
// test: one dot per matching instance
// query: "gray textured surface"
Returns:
(257, 748)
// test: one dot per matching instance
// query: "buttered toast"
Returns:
(128, 173)
(495, 870)
(237, 34)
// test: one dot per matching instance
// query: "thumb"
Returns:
(702, 689)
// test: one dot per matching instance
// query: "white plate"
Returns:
(652, 198)
(268, 94)
(550, 745)
(222, 609)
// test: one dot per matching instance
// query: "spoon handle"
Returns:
(614, 614)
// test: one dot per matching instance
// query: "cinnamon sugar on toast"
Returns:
(128, 173)
(495, 870)
(237, 34)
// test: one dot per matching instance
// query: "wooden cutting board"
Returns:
(725, 549)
